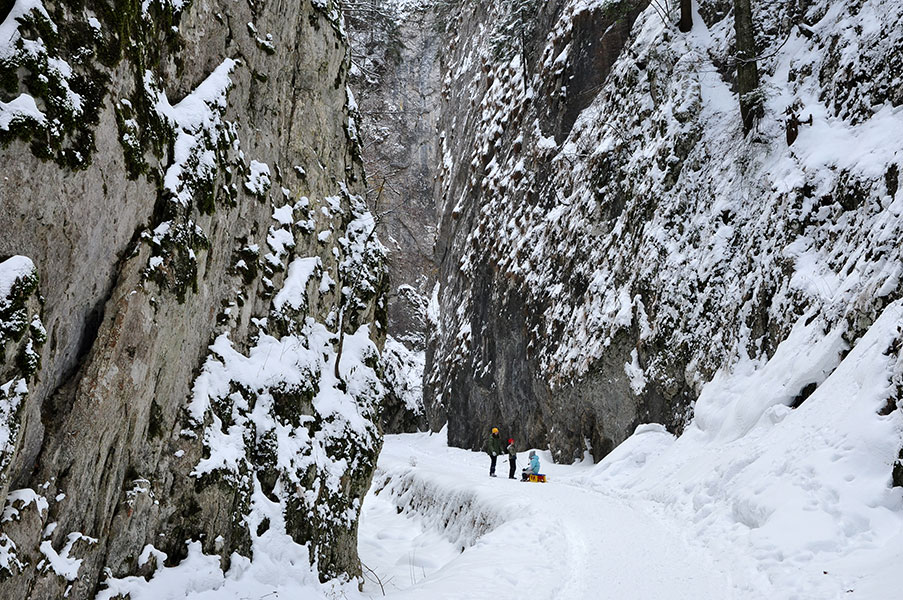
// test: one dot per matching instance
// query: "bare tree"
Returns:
(747, 71)
(686, 16)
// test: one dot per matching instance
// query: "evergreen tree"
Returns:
(515, 27)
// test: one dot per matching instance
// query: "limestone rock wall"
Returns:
(182, 189)
(609, 238)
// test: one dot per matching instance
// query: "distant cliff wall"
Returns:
(395, 74)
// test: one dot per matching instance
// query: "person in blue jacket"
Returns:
(533, 467)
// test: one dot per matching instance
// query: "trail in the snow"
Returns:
(553, 540)
(576, 584)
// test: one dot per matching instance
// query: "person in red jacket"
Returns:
(512, 458)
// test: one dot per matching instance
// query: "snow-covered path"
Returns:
(561, 539)
(754, 500)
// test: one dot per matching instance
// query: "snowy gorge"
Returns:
(269, 273)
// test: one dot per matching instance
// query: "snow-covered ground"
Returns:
(755, 500)
(505, 538)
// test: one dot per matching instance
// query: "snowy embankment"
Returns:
(797, 503)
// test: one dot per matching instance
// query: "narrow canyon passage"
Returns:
(271, 273)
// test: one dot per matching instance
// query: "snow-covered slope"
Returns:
(803, 495)
(597, 272)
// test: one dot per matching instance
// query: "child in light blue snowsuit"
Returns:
(534, 462)
(533, 467)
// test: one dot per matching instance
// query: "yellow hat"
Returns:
(495, 430)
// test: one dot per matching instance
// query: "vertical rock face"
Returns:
(609, 238)
(395, 75)
(192, 296)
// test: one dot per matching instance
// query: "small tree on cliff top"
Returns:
(515, 27)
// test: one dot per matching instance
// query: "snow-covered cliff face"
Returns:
(192, 296)
(609, 238)
(395, 77)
